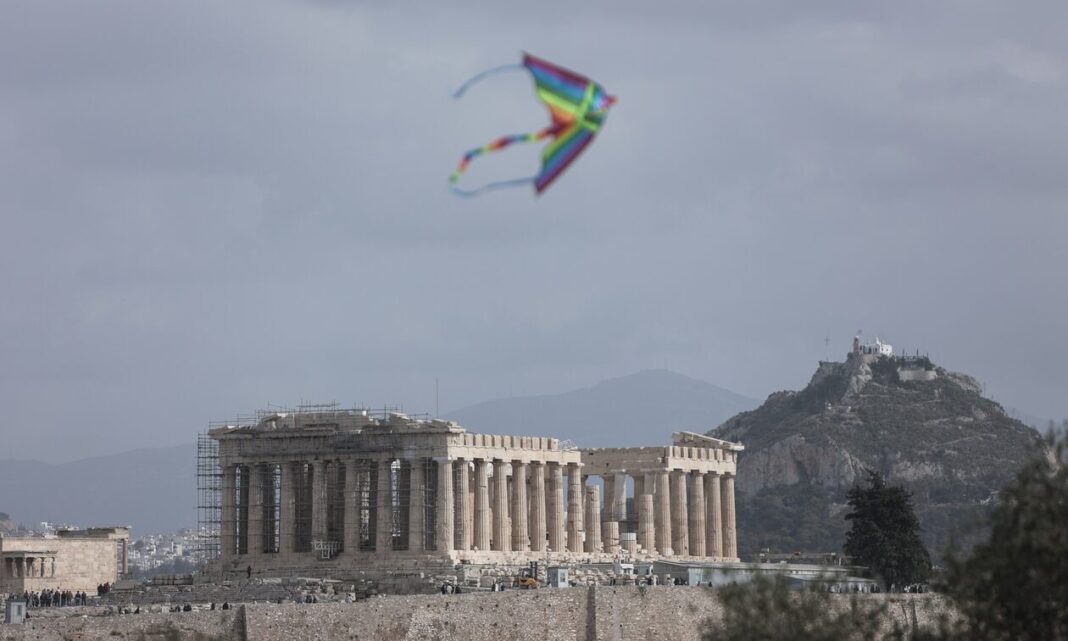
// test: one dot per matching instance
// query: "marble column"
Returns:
(520, 536)
(608, 499)
(352, 512)
(287, 511)
(537, 508)
(730, 542)
(714, 530)
(697, 513)
(619, 499)
(663, 514)
(556, 508)
(256, 484)
(501, 537)
(574, 508)
(384, 508)
(244, 472)
(610, 535)
(593, 519)
(228, 522)
(483, 519)
(463, 505)
(417, 507)
(319, 501)
(445, 526)
(646, 527)
(680, 527)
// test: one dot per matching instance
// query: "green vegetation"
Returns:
(767, 610)
(884, 370)
(789, 518)
(815, 397)
(1013, 586)
(885, 533)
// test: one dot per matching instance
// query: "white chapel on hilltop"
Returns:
(876, 349)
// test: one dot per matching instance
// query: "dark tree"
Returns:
(885, 533)
(1015, 586)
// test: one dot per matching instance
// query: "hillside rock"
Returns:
(913, 422)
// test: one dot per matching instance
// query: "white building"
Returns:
(876, 349)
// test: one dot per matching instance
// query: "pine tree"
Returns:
(885, 533)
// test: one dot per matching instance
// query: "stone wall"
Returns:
(572, 614)
(187, 626)
(916, 374)
(81, 563)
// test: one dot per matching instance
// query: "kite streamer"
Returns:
(578, 107)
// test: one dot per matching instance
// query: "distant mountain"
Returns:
(153, 490)
(913, 422)
(640, 409)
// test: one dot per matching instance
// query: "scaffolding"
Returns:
(258, 518)
(209, 493)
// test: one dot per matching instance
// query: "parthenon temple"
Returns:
(347, 488)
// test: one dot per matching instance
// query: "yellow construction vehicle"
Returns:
(526, 580)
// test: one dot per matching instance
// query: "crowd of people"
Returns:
(50, 598)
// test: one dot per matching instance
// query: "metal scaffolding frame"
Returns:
(257, 500)
(209, 495)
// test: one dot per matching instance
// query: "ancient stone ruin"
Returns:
(324, 491)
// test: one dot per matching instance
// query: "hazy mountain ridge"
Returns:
(940, 438)
(153, 489)
(639, 409)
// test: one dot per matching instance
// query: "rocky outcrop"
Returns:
(795, 460)
(915, 423)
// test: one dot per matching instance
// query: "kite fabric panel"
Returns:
(578, 107)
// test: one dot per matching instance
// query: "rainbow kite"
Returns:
(578, 107)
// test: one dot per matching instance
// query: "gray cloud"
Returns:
(209, 206)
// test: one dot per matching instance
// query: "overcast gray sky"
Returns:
(207, 206)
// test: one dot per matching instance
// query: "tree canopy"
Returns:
(768, 610)
(885, 533)
(1015, 585)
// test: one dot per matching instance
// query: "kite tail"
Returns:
(515, 182)
(497, 145)
(485, 74)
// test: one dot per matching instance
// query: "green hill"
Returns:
(914, 422)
